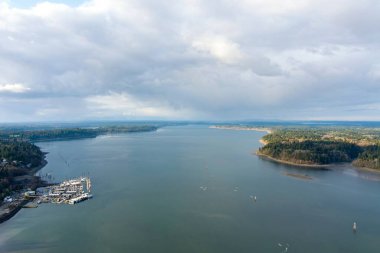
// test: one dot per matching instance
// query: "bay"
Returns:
(189, 189)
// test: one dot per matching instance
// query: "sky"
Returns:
(189, 60)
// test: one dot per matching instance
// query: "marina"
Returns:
(70, 192)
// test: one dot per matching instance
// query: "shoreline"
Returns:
(12, 212)
(263, 142)
(19, 205)
(315, 166)
(365, 169)
(44, 162)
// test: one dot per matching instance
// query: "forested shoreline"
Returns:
(323, 146)
(69, 133)
(20, 157)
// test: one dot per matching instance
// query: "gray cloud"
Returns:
(190, 59)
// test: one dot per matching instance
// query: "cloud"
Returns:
(13, 88)
(190, 59)
(219, 47)
(124, 104)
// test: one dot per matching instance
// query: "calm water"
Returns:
(148, 199)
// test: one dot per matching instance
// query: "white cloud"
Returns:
(224, 50)
(13, 88)
(124, 105)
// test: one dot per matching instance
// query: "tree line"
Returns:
(325, 145)
(70, 133)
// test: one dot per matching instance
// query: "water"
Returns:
(147, 198)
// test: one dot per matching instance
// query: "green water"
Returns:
(147, 198)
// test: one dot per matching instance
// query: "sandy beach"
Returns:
(316, 166)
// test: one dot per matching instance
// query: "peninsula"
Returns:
(319, 146)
